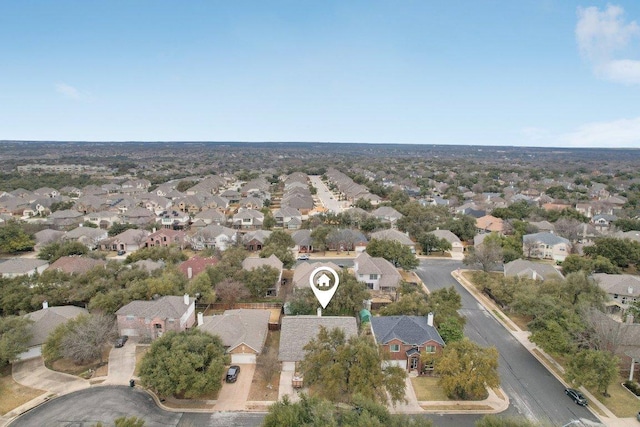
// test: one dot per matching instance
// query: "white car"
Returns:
(303, 257)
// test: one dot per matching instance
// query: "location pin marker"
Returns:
(324, 283)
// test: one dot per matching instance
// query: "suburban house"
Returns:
(254, 241)
(303, 241)
(46, 321)
(387, 214)
(405, 337)
(153, 318)
(545, 246)
(378, 273)
(196, 265)
(531, 270)
(129, 240)
(103, 219)
(288, 218)
(46, 236)
(456, 245)
(297, 331)
(489, 224)
(395, 236)
(15, 267)
(302, 273)
(211, 216)
(212, 236)
(243, 332)
(90, 237)
(165, 237)
(248, 219)
(75, 264)
(273, 262)
(65, 219)
(622, 290)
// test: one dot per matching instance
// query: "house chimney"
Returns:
(186, 299)
(319, 312)
(430, 319)
(629, 319)
(535, 275)
(154, 229)
(630, 290)
(200, 318)
(189, 272)
(45, 304)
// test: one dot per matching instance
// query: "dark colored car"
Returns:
(576, 396)
(120, 341)
(232, 373)
(121, 252)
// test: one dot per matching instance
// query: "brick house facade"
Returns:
(153, 318)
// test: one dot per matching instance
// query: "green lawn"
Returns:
(427, 389)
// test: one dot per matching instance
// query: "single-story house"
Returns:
(531, 270)
(243, 332)
(396, 236)
(15, 267)
(75, 264)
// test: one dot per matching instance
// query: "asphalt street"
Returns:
(325, 196)
(534, 392)
(87, 407)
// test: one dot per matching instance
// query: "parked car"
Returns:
(232, 373)
(121, 252)
(576, 396)
(120, 341)
(303, 257)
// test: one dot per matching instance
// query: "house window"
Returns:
(130, 317)
(428, 365)
(373, 277)
(394, 348)
(430, 348)
(247, 220)
(370, 285)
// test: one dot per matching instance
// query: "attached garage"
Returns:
(33, 352)
(130, 332)
(243, 358)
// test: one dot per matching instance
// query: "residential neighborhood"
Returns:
(230, 256)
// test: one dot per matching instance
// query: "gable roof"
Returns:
(47, 319)
(621, 284)
(412, 330)
(75, 264)
(20, 265)
(297, 331)
(242, 326)
(253, 263)
(394, 235)
(197, 265)
(447, 235)
(531, 270)
(546, 238)
(166, 307)
(303, 271)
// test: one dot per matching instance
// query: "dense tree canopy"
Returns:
(14, 336)
(14, 239)
(188, 364)
(395, 252)
(620, 252)
(348, 367)
(466, 370)
(347, 300)
(593, 368)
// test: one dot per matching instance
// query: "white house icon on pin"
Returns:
(323, 281)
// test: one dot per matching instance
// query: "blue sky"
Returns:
(481, 72)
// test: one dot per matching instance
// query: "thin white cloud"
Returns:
(617, 133)
(68, 91)
(602, 36)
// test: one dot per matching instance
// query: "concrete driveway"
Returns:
(33, 373)
(122, 363)
(233, 396)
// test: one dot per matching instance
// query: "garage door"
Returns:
(31, 353)
(130, 332)
(401, 363)
(243, 358)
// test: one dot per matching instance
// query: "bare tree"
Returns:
(84, 343)
(606, 333)
(230, 291)
(529, 247)
(568, 228)
(269, 363)
(487, 255)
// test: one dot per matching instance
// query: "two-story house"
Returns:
(546, 246)
(403, 338)
(153, 318)
(378, 273)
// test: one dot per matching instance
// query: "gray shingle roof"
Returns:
(297, 331)
(546, 238)
(412, 330)
(166, 307)
(47, 319)
(524, 268)
(236, 327)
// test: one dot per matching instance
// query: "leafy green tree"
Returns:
(14, 335)
(451, 330)
(395, 252)
(14, 239)
(347, 367)
(260, 279)
(283, 253)
(627, 224)
(55, 250)
(129, 422)
(269, 221)
(188, 364)
(280, 238)
(61, 205)
(463, 226)
(432, 243)
(593, 368)
(118, 228)
(408, 304)
(184, 185)
(201, 285)
(466, 370)
(169, 254)
(620, 252)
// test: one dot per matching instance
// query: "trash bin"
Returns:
(132, 383)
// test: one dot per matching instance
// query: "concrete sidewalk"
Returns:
(608, 419)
